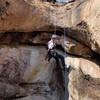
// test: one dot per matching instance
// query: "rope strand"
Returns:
(65, 73)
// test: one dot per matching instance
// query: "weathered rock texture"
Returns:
(24, 72)
(30, 15)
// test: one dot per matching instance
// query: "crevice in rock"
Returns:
(14, 97)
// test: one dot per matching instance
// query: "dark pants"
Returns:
(59, 70)
(58, 57)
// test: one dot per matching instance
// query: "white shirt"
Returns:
(51, 44)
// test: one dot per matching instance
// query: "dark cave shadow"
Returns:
(59, 79)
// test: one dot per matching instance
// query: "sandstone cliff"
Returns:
(25, 28)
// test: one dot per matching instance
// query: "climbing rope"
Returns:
(65, 73)
(55, 24)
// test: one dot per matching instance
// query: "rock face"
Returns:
(25, 28)
(83, 87)
(19, 65)
(32, 15)
(24, 72)
(84, 79)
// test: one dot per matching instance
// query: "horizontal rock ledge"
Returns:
(86, 66)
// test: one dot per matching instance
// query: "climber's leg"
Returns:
(49, 55)
(62, 59)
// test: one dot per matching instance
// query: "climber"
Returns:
(52, 50)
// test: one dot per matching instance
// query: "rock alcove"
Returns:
(25, 28)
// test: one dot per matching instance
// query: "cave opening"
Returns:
(9, 38)
(36, 38)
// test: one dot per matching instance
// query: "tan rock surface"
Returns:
(24, 72)
(19, 65)
(86, 66)
(26, 64)
(82, 87)
(27, 16)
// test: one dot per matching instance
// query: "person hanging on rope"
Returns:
(52, 51)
